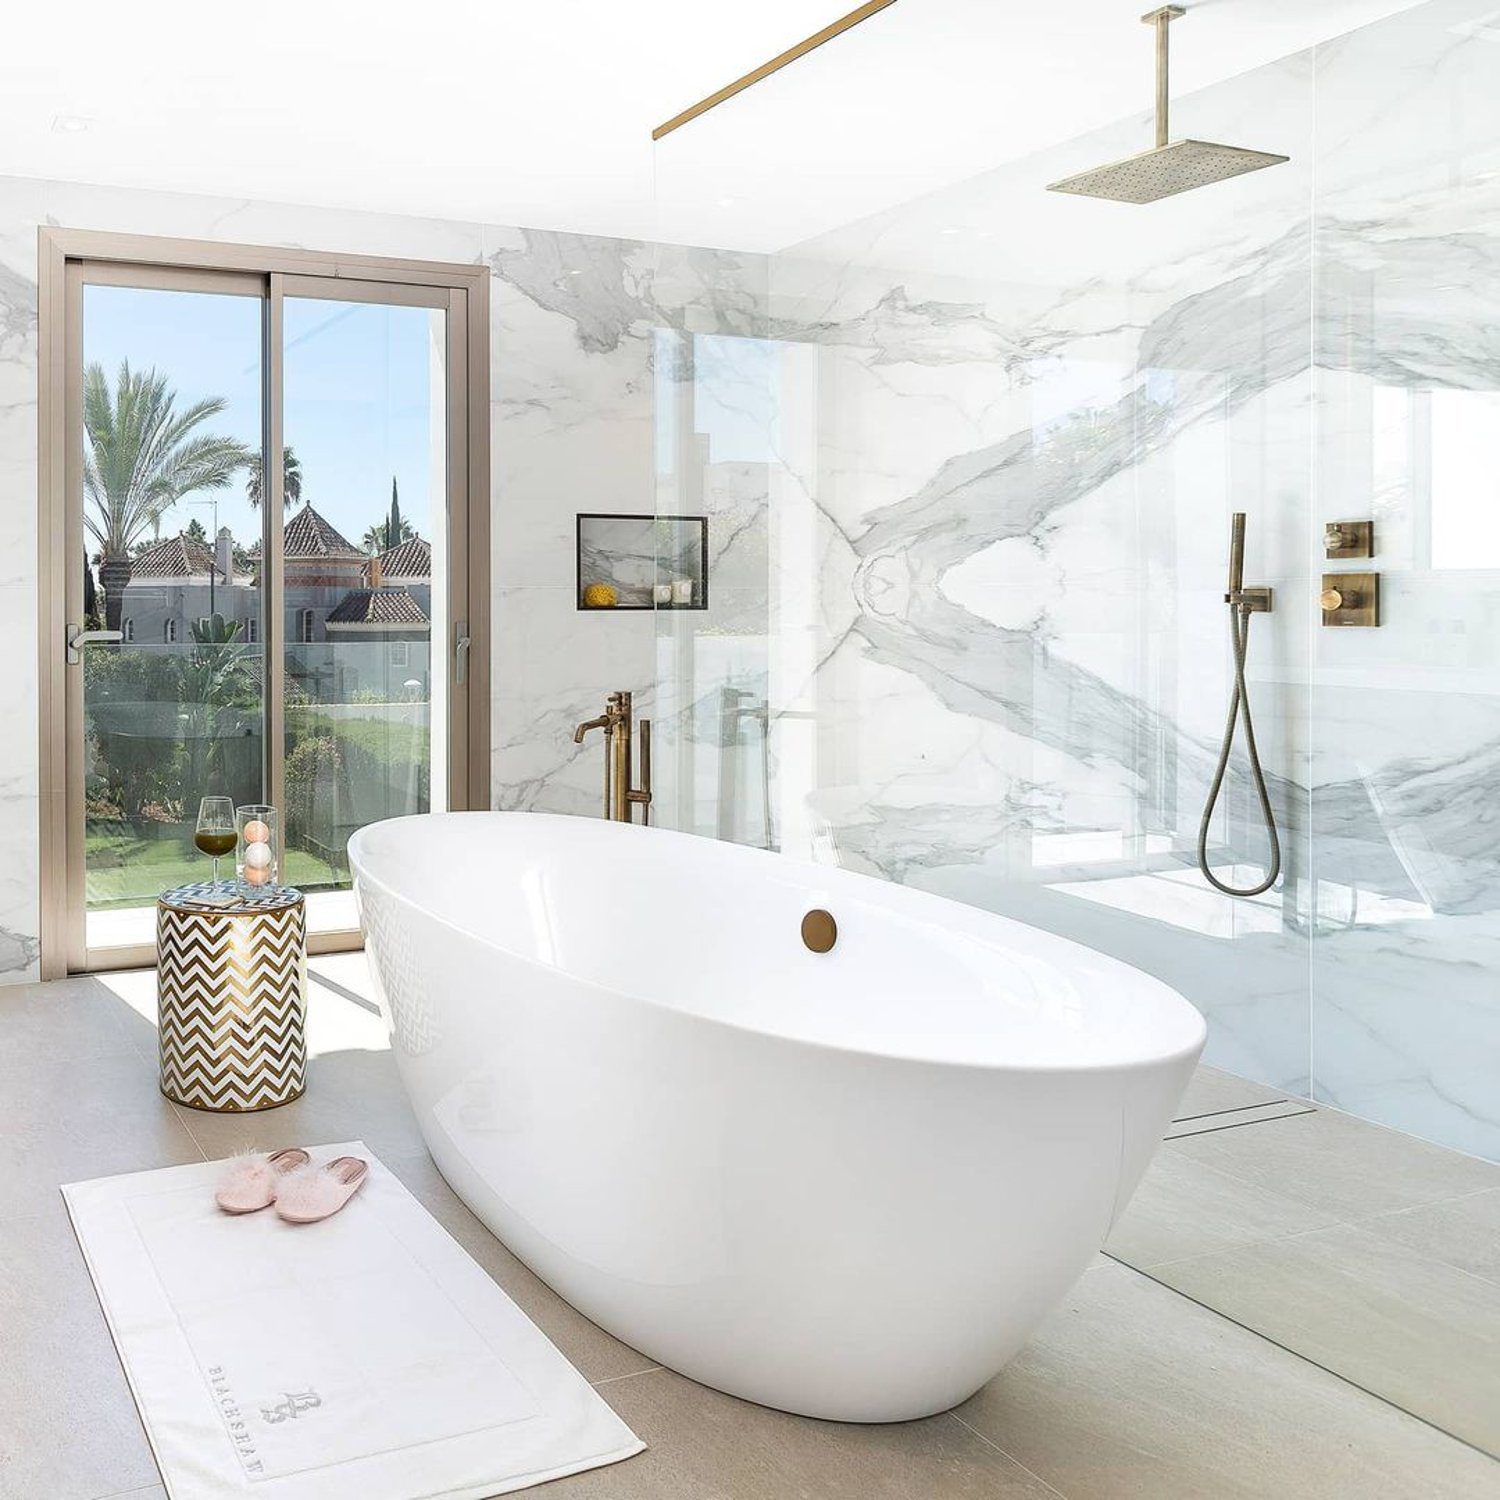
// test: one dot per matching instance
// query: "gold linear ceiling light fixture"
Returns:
(827, 34)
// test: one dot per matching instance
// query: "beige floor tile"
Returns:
(1392, 1319)
(1335, 1162)
(1184, 1207)
(69, 1119)
(65, 1019)
(1130, 1392)
(68, 1425)
(595, 1353)
(708, 1446)
(1212, 1090)
(1464, 1232)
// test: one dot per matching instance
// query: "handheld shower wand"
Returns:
(1242, 604)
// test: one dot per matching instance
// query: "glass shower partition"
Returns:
(970, 463)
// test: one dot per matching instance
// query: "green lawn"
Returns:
(127, 867)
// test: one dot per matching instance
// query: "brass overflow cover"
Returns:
(819, 931)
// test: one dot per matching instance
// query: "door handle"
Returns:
(78, 638)
(461, 651)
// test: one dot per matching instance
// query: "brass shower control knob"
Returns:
(1350, 598)
(1349, 539)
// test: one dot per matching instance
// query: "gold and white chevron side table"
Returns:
(231, 998)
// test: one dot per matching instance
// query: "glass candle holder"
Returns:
(257, 859)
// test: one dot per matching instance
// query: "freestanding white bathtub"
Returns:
(846, 1184)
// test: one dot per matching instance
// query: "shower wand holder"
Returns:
(1255, 601)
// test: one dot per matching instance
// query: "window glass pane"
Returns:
(171, 432)
(1465, 486)
(365, 557)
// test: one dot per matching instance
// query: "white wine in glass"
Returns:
(215, 835)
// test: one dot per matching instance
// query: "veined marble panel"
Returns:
(995, 656)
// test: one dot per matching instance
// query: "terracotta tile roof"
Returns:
(173, 557)
(409, 559)
(377, 607)
(307, 534)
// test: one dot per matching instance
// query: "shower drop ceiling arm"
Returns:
(1162, 18)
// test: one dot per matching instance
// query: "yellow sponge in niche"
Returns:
(601, 596)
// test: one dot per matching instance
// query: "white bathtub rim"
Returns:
(1130, 1063)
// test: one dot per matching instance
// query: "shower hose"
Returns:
(1239, 703)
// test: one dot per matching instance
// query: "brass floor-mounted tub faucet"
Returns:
(620, 797)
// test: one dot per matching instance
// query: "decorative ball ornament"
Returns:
(601, 596)
(258, 856)
(256, 874)
(256, 832)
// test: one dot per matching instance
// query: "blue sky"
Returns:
(359, 393)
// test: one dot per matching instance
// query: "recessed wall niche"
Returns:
(642, 562)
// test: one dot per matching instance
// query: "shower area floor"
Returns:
(1296, 1303)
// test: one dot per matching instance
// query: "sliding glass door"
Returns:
(367, 556)
(292, 630)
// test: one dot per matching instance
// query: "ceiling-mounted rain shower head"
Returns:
(1170, 167)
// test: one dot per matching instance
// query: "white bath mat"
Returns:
(363, 1358)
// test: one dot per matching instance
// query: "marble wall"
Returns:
(1003, 433)
(1406, 720)
(573, 334)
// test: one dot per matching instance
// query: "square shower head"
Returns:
(1159, 173)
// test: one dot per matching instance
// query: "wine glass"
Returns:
(215, 834)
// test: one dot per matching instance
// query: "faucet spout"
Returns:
(621, 795)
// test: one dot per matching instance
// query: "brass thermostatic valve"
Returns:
(1350, 598)
(1349, 539)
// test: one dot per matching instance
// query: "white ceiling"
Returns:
(540, 114)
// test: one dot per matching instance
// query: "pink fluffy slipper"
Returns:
(319, 1192)
(252, 1181)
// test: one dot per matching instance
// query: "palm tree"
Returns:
(291, 478)
(143, 456)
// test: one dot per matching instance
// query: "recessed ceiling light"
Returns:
(70, 124)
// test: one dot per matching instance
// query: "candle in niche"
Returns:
(682, 591)
(662, 593)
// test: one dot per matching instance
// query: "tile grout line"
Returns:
(1307, 1359)
(1259, 1244)
(1367, 1225)
(1225, 1169)
(613, 1379)
(1010, 1457)
(179, 1114)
